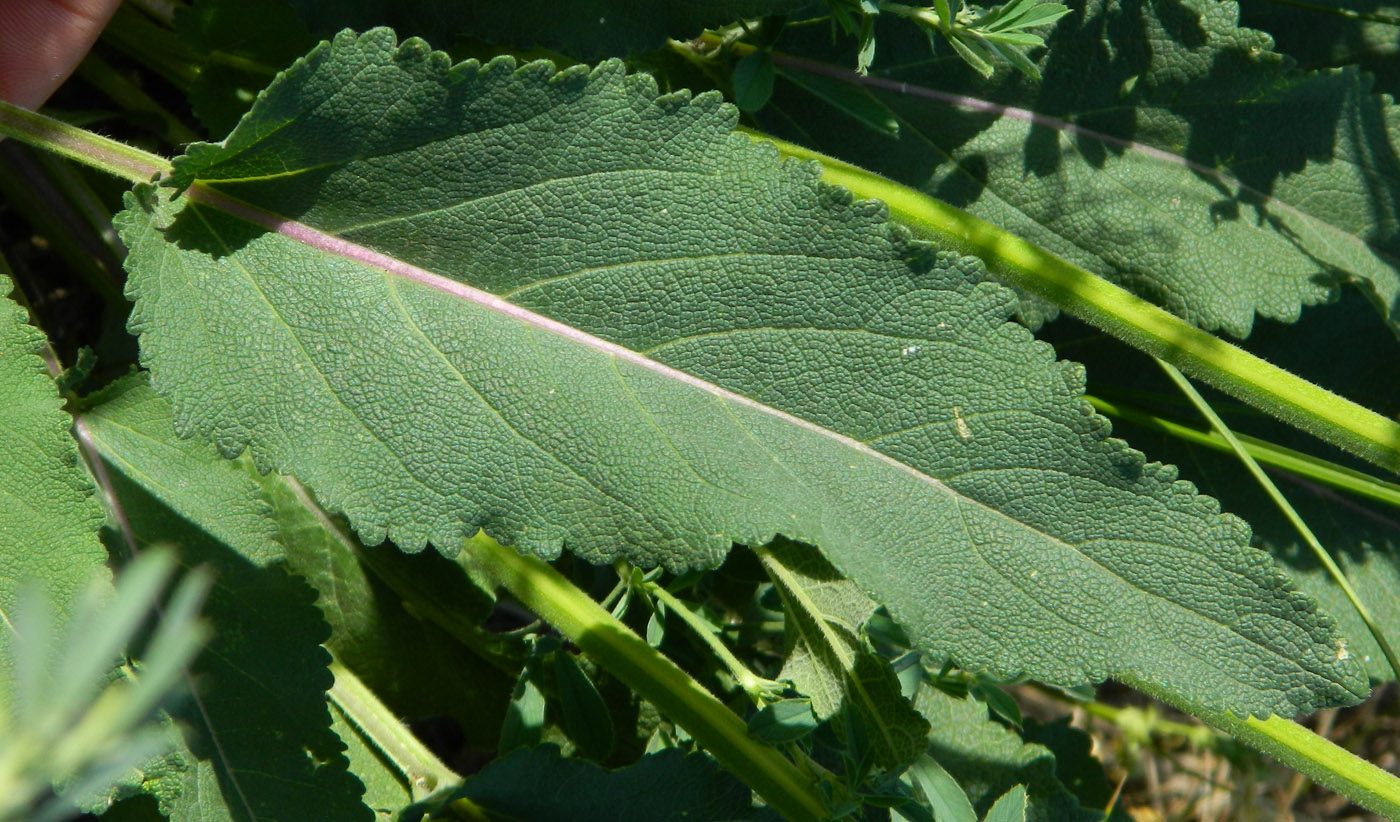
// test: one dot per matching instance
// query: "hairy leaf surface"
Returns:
(48, 514)
(1166, 149)
(570, 310)
(258, 738)
(1363, 536)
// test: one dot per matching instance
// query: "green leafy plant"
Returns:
(692, 463)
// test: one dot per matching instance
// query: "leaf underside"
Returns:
(1165, 148)
(701, 345)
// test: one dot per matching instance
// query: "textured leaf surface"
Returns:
(538, 783)
(259, 744)
(1166, 149)
(701, 345)
(1363, 536)
(585, 29)
(829, 659)
(48, 514)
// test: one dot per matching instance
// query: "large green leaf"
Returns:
(258, 742)
(694, 345)
(1166, 149)
(48, 514)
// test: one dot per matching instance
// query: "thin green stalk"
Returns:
(426, 773)
(1297, 463)
(654, 677)
(80, 145)
(54, 200)
(130, 97)
(1124, 315)
(760, 690)
(1288, 511)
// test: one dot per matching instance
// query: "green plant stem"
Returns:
(1318, 758)
(758, 688)
(1146, 723)
(93, 150)
(1297, 463)
(425, 772)
(1288, 511)
(1123, 315)
(112, 83)
(654, 677)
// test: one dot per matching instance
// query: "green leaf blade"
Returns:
(639, 335)
(49, 515)
(258, 741)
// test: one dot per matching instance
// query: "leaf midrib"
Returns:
(316, 239)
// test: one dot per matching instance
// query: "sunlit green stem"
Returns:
(1301, 749)
(1288, 511)
(1297, 463)
(425, 772)
(79, 145)
(760, 690)
(654, 677)
(1124, 315)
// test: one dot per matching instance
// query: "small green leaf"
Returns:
(972, 51)
(988, 759)
(753, 81)
(523, 726)
(585, 715)
(786, 720)
(827, 660)
(950, 803)
(1011, 807)
(1000, 703)
(656, 626)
